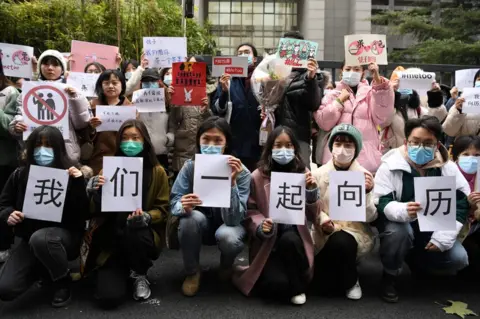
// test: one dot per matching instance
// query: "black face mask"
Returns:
(435, 98)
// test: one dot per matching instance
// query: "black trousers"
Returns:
(284, 273)
(336, 264)
(6, 234)
(472, 246)
(136, 252)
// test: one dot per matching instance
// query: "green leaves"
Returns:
(458, 308)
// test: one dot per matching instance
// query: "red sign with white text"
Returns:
(189, 82)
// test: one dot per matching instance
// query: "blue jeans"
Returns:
(196, 228)
(399, 239)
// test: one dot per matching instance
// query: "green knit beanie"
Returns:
(351, 131)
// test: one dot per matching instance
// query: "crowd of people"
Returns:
(362, 123)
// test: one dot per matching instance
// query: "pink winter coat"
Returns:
(371, 107)
(260, 249)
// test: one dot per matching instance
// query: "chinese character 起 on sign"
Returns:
(347, 196)
(287, 198)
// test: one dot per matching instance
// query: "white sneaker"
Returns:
(141, 287)
(4, 256)
(355, 293)
(299, 299)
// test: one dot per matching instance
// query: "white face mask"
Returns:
(351, 78)
(343, 155)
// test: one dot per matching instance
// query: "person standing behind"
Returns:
(245, 115)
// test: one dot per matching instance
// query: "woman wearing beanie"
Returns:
(51, 67)
(355, 102)
(458, 123)
(340, 244)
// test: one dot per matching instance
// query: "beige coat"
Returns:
(458, 124)
(359, 230)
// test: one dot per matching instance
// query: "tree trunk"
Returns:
(436, 12)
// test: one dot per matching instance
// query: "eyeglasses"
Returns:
(424, 145)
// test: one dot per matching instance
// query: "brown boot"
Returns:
(191, 284)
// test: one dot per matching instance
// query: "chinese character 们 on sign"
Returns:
(122, 191)
(113, 116)
(161, 52)
(149, 100)
(472, 101)
(287, 198)
(45, 193)
(361, 49)
(347, 197)
(438, 198)
(212, 180)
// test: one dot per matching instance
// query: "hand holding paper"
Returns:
(237, 168)
(15, 218)
(189, 202)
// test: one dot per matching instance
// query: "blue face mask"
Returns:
(477, 84)
(211, 149)
(150, 85)
(249, 58)
(167, 79)
(468, 164)
(283, 156)
(405, 91)
(421, 155)
(43, 156)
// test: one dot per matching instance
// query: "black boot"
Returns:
(62, 294)
(389, 291)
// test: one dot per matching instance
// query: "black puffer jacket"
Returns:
(302, 97)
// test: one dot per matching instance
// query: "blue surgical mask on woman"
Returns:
(211, 149)
(150, 85)
(131, 148)
(351, 78)
(468, 164)
(167, 79)
(43, 156)
(421, 155)
(477, 84)
(283, 155)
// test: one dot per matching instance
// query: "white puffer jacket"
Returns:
(459, 124)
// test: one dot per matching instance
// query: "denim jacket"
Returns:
(232, 216)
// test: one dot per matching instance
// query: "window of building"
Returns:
(261, 22)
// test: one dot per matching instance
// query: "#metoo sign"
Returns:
(235, 66)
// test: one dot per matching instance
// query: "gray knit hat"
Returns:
(351, 131)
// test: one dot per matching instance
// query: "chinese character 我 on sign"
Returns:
(49, 191)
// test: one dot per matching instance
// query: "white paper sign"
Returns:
(287, 198)
(161, 52)
(122, 191)
(113, 116)
(16, 60)
(472, 101)
(438, 199)
(45, 193)
(420, 82)
(149, 100)
(347, 196)
(45, 103)
(361, 49)
(212, 180)
(464, 78)
(235, 66)
(83, 82)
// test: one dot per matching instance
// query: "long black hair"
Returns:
(463, 143)
(477, 75)
(220, 124)
(267, 165)
(4, 81)
(127, 62)
(149, 156)
(105, 76)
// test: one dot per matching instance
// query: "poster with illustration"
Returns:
(361, 49)
(16, 60)
(84, 53)
(189, 82)
(296, 52)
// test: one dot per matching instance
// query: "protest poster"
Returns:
(464, 78)
(162, 52)
(189, 82)
(347, 196)
(362, 49)
(123, 187)
(16, 60)
(287, 198)
(212, 180)
(418, 81)
(149, 100)
(112, 117)
(235, 66)
(472, 101)
(84, 53)
(45, 103)
(84, 83)
(295, 52)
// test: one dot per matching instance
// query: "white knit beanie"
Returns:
(56, 55)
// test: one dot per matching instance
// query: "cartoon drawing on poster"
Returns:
(16, 60)
(464, 78)
(149, 100)
(189, 82)
(235, 66)
(83, 82)
(45, 104)
(159, 56)
(84, 53)
(361, 49)
(472, 101)
(295, 52)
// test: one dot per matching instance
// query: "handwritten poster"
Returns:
(361, 49)
(212, 180)
(149, 100)
(189, 82)
(472, 100)
(295, 52)
(235, 66)
(347, 196)
(83, 82)
(84, 53)
(464, 78)
(420, 81)
(162, 52)
(112, 117)
(16, 60)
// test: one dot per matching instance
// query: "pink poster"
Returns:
(84, 53)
